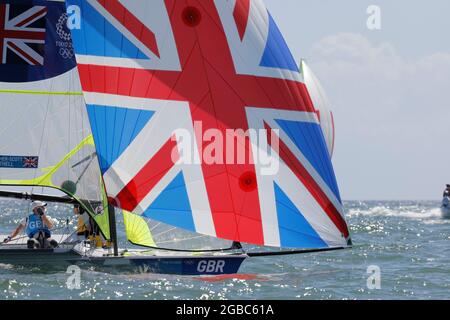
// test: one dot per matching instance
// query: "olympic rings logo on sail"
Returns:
(66, 53)
(65, 47)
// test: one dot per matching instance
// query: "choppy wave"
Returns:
(408, 240)
(410, 212)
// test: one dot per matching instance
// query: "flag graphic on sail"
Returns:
(45, 134)
(20, 32)
(150, 69)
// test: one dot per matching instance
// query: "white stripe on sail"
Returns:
(12, 24)
(22, 45)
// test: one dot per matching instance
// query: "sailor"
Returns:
(87, 228)
(37, 226)
(447, 191)
(83, 223)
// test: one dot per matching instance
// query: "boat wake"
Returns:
(5, 266)
(225, 277)
(409, 212)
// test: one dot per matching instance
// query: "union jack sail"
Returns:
(153, 70)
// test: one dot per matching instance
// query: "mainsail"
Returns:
(159, 75)
(45, 133)
(321, 104)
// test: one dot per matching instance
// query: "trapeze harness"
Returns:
(35, 225)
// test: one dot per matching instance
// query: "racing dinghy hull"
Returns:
(140, 261)
(179, 265)
(200, 265)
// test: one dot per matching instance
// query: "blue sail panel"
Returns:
(309, 139)
(114, 129)
(277, 53)
(172, 206)
(295, 230)
(90, 38)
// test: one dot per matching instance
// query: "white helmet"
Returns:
(36, 204)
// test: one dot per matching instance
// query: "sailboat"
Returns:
(191, 114)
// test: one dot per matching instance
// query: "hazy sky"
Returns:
(390, 89)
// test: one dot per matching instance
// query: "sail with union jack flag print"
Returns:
(201, 120)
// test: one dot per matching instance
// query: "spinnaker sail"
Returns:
(201, 120)
(45, 133)
(321, 104)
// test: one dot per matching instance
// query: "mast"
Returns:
(113, 228)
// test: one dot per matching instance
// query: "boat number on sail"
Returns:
(213, 266)
(19, 162)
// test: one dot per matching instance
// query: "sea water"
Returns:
(401, 251)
